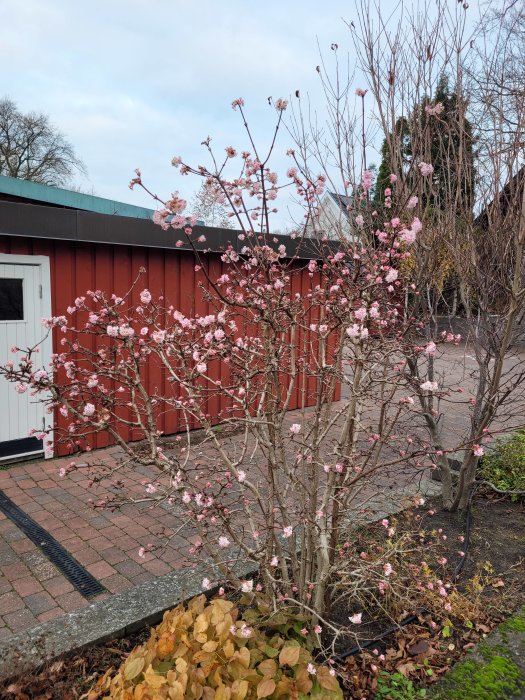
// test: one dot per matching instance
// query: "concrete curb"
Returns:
(119, 615)
(124, 613)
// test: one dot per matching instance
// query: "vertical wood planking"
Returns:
(77, 267)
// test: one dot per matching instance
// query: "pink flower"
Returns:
(150, 488)
(201, 367)
(274, 561)
(367, 180)
(429, 386)
(359, 220)
(224, 542)
(412, 202)
(145, 296)
(392, 178)
(318, 629)
(287, 531)
(391, 276)
(247, 586)
(408, 236)
(387, 569)
(432, 110)
(206, 584)
(142, 552)
(430, 349)
(360, 92)
(311, 669)
(426, 169)
(89, 409)
(230, 151)
(360, 313)
(158, 336)
(385, 522)
(239, 102)
(281, 105)
(295, 428)
(356, 619)
(478, 451)
(241, 476)
(62, 472)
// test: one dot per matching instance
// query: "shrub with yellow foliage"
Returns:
(206, 650)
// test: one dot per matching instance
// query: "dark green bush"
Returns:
(504, 465)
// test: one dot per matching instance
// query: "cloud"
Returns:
(133, 83)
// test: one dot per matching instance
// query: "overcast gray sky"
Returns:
(133, 83)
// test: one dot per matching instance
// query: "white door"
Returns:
(23, 304)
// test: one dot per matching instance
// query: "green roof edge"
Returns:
(67, 198)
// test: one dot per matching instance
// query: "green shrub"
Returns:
(208, 651)
(394, 686)
(504, 465)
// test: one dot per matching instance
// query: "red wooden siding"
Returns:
(79, 266)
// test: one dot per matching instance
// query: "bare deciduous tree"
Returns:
(31, 148)
(204, 205)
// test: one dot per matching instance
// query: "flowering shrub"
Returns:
(208, 651)
(280, 495)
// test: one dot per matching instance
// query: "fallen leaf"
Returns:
(420, 647)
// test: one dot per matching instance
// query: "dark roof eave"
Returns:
(44, 222)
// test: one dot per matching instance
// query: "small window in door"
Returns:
(11, 300)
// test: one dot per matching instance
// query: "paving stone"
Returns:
(113, 555)
(20, 620)
(129, 568)
(71, 601)
(9, 602)
(39, 602)
(22, 546)
(87, 556)
(101, 569)
(15, 571)
(116, 583)
(58, 586)
(50, 614)
(27, 586)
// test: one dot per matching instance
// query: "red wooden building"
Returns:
(55, 245)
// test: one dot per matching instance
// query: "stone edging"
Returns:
(117, 616)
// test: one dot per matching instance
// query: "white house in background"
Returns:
(333, 219)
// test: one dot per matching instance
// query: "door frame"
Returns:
(46, 348)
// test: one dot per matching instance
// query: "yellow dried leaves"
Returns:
(204, 651)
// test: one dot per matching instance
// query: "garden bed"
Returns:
(411, 658)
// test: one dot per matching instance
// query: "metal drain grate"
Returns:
(83, 581)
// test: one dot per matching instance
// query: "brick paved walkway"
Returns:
(32, 590)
